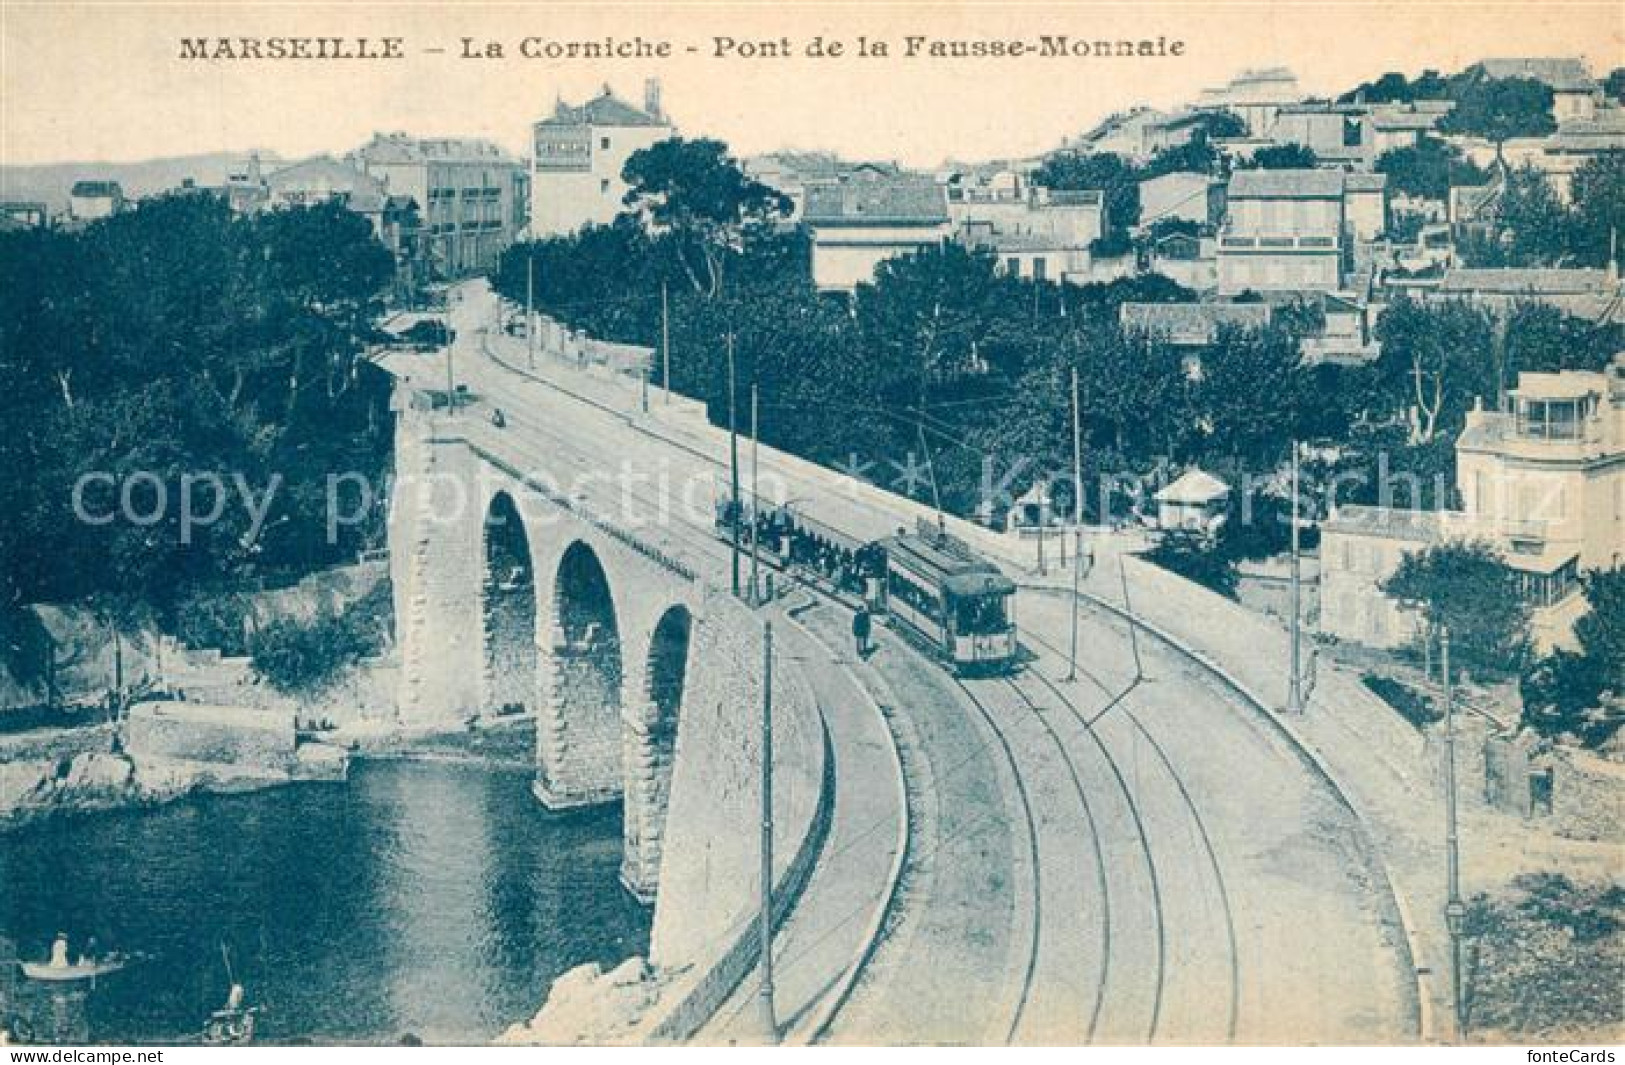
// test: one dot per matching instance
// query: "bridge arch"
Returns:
(651, 747)
(509, 615)
(579, 740)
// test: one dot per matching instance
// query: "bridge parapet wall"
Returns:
(710, 867)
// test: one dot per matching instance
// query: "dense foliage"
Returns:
(1582, 693)
(1464, 588)
(299, 656)
(164, 348)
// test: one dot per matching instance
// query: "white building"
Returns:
(1255, 96)
(89, 200)
(862, 221)
(578, 154)
(1544, 484)
(1290, 230)
(1194, 502)
(1182, 195)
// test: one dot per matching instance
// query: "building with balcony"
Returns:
(470, 195)
(1284, 231)
(1542, 482)
(578, 154)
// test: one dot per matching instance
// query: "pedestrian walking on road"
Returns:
(861, 626)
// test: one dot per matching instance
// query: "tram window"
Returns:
(980, 615)
(913, 595)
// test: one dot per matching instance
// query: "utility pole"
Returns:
(733, 464)
(451, 377)
(770, 1025)
(1294, 691)
(665, 343)
(1077, 524)
(755, 502)
(1454, 910)
(530, 305)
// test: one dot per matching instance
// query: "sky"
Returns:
(105, 81)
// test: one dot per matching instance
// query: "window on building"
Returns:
(603, 143)
(1352, 130)
(603, 185)
(1553, 419)
(1012, 266)
(1038, 269)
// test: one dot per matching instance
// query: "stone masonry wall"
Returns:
(709, 872)
(436, 569)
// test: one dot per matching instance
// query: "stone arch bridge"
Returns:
(513, 597)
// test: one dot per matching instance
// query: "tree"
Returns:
(1539, 338)
(1196, 558)
(1115, 176)
(1598, 221)
(695, 190)
(1428, 169)
(1498, 109)
(1579, 693)
(177, 340)
(1394, 87)
(1465, 588)
(1536, 227)
(1432, 364)
(1281, 157)
(1601, 631)
(1244, 395)
(1613, 86)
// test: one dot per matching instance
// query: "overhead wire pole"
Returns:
(733, 465)
(770, 1024)
(530, 304)
(755, 501)
(1454, 910)
(1294, 691)
(1077, 524)
(665, 343)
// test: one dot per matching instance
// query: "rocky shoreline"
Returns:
(104, 780)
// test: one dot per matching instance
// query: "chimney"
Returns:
(651, 97)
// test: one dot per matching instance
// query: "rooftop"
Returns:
(388, 148)
(1196, 486)
(605, 109)
(1563, 74)
(1286, 185)
(1512, 281)
(1401, 523)
(906, 200)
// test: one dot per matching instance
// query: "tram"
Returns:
(950, 599)
(933, 586)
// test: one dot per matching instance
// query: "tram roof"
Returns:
(961, 570)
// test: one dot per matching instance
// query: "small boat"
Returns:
(229, 1027)
(83, 969)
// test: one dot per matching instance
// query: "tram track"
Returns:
(1119, 701)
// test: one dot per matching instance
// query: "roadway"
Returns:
(1131, 855)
